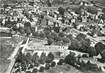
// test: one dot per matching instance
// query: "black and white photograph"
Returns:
(52, 36)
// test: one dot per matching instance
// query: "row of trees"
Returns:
(44, 1)
(53, 1)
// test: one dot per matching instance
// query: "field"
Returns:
(7, 46)
(63, 69)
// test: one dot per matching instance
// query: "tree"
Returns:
(27, 27)
(28, 58)
(54, 36)
(53, 64)
(61, 10)
(42, 58)
(75, 45)
(61, 34)
(41, 69)
(70, 36)
(80, 36)
(49, 58)
(85, 44)
(92, 52)
(102, 16)
(70, 59)
(41, 35)
(92, 10)
(99, 47)
(50, 41)
(47, 30)
(49, 3)
(102, 60)
(61, 61)
(35, 58)
(35, 70)
(65, 40)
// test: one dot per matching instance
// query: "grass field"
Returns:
(7, 46)
(5, 51)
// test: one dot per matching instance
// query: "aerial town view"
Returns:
(52, 36)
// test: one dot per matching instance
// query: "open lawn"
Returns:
(7, 46)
